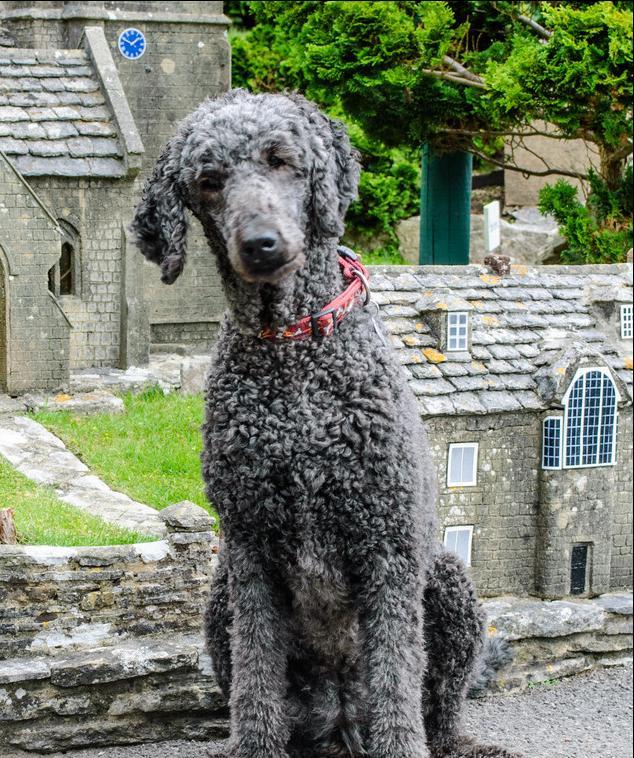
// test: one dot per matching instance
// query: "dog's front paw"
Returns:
(466, 747)
(398, 745)
(217, 749)
(234, 750)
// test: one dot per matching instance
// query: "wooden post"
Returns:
(8, 535)
(445, 208)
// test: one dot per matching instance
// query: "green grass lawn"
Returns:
(151, 452)
(42, 519)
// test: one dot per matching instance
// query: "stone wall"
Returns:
(96, 208)
(621, 566)
(551, 640)
(103, 645)
(526, 519)
(569, 155)
(36, 353)
(503, 505)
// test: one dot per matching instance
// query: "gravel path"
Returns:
(588, 716)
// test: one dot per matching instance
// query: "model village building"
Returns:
(89, 94)
(525, 383)
(524, 380)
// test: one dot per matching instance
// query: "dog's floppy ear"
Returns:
(160, 222)
(335, 171)
(335, 179)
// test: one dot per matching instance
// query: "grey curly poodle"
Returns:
(337, 624)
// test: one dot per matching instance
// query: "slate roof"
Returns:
(54, 120)
(523, 325)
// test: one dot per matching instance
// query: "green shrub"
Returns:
(599, 232)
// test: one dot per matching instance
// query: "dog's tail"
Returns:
(496, 654)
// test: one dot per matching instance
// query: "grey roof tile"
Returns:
(480, 352)
(55, 130)
(431, 386)
(436, 406)
(497, 366)
(400, 310)
(517, 381)
(11, 113)
(529, 400)
(418, 340)
(452, 369)
(425, 370)
(36, 99)
(468, 402)
(520, 324)
(496, 402)
(14, 146)
(504, 351)
(55, 116)
(398, 325)
(47, 147)
(42, 114)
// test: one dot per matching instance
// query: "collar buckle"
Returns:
(314, 321)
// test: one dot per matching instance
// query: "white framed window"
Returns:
(626, 322)
(551, 442)
(457, 331)
(462, 464)
(590, 419)
(459, 540)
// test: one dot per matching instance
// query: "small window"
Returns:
(458, 331)
(551, 442)
(459, 539)
(626, 322)
(66, 262)
(462, 463)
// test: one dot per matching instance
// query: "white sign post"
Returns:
(492, 226)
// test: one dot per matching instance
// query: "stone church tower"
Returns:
(84, 136)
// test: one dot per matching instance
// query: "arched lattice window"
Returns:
(590, 419)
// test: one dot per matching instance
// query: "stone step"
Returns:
(109, 663)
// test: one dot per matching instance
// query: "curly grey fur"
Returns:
(337, 625)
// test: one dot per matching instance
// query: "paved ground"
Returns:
(588, 716)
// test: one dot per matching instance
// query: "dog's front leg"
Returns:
(391, 637)
(259, 660)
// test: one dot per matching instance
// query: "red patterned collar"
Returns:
(324, 322)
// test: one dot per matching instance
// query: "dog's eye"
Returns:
(211, 183)
(275, 161)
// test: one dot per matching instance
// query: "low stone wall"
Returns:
(559, 638)
(103, 645)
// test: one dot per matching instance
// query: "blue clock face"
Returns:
(132, 44)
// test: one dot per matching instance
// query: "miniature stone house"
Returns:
(525, 383)
(82, 126)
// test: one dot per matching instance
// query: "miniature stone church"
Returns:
(89, 94)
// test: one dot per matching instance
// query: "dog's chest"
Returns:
(323, 615)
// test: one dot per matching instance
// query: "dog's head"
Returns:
(268, 176)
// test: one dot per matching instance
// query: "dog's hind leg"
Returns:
(454, 634)
(217, 624)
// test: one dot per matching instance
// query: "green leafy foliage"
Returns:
(374, 62)
(599, 232)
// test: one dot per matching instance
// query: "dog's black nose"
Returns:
(261, 247)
